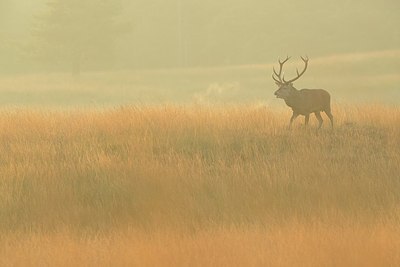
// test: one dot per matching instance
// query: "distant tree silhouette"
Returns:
(77, 34)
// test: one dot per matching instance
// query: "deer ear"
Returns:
(277, 83)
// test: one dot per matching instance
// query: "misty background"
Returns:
(55, 52)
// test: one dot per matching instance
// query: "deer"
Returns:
(304, 101)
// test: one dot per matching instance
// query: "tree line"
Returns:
(78, 35)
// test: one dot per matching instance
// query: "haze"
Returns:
(147, 133)
(208, 50)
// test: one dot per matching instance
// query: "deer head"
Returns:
(286, 88)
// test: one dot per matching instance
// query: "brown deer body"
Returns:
(304, 101)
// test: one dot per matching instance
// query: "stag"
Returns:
(304, 101)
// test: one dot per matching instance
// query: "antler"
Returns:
(280, 70)
(305, 60)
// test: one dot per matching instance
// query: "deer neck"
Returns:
(293, 98)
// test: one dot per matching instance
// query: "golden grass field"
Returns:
(197, 185)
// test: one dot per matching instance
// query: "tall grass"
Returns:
(198, 184)
(287, 245)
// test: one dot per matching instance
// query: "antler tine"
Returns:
(305, 60)
(281, 63)
(273, 77)
(273, 68)
(280, 70)
(277, 75)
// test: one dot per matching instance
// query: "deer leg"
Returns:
(294, 116)
(330, 116)
(306, 119)
(319, 118)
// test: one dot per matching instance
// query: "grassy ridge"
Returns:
(191, 170)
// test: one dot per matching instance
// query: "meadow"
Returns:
(196, 167)
(351, 78)
(199, 185)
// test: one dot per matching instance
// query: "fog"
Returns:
(176, 50)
